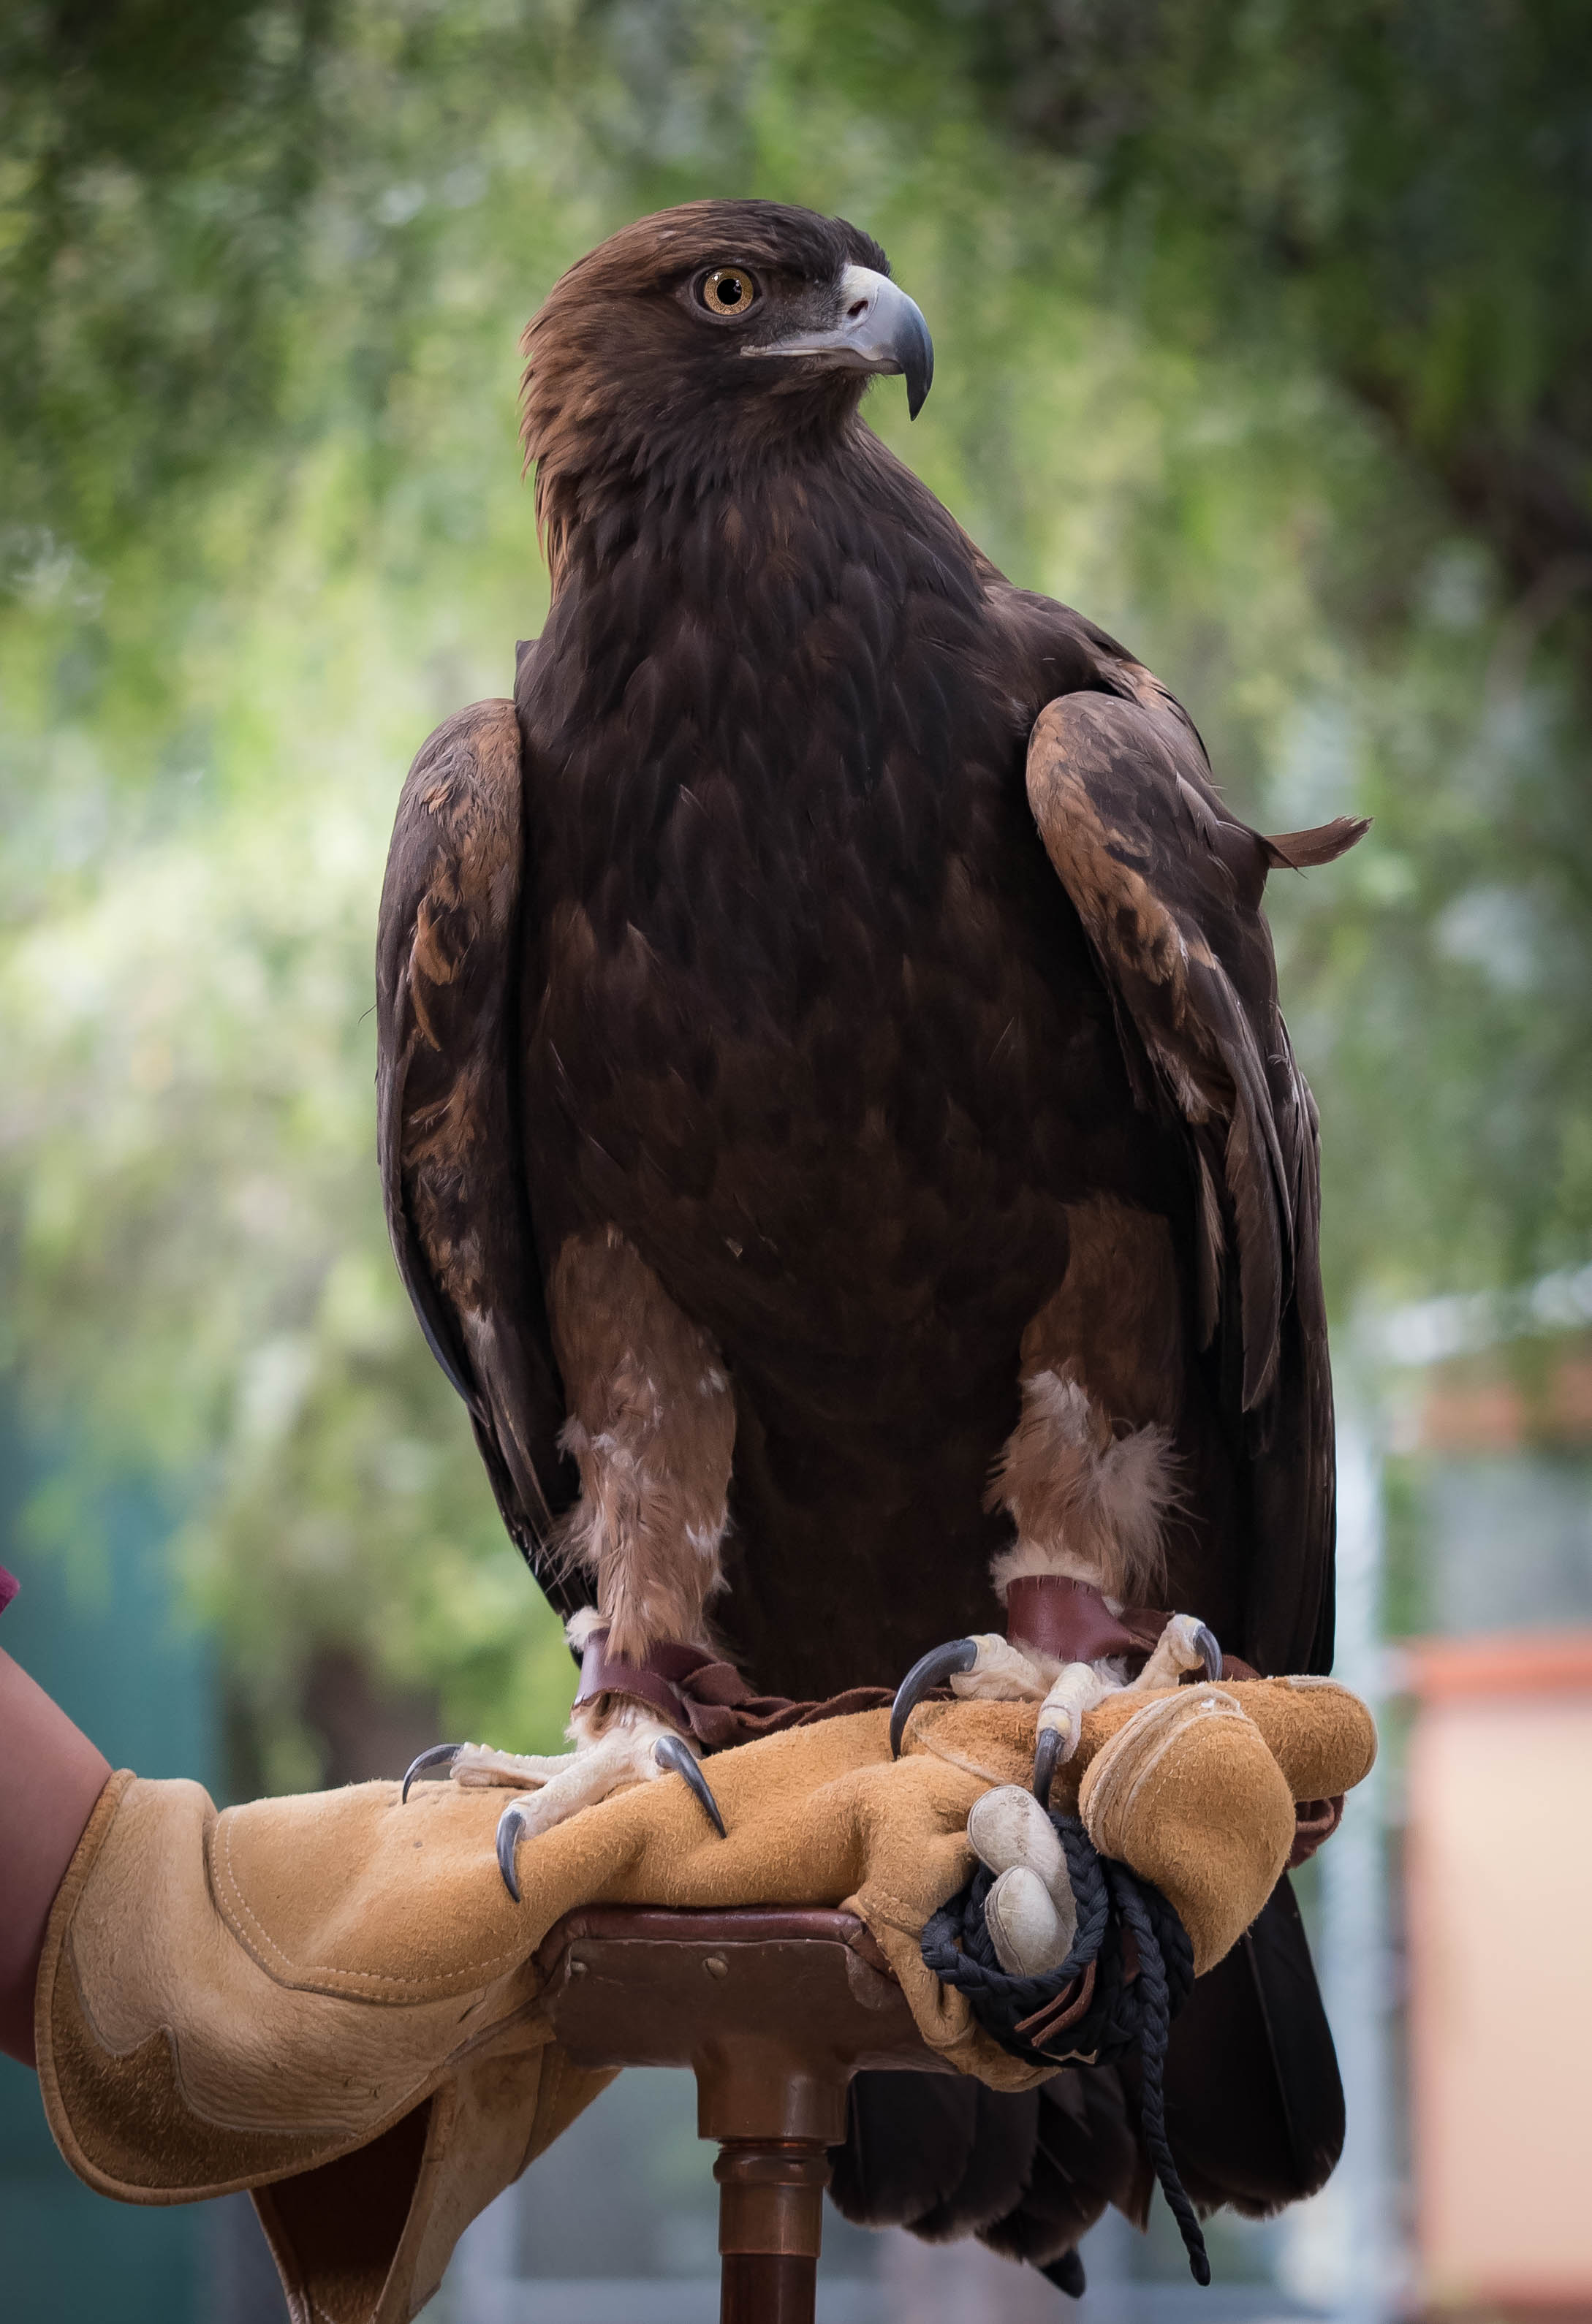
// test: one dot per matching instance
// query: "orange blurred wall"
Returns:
(1500, 1895)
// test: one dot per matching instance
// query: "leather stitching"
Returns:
(437, 1987)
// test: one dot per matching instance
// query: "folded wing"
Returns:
(1169, 886)
(449, 1136)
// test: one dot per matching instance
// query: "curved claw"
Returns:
(1206, 1640)
(435, 1758)
(930, 1670)
(508, 1839)
(1047, 1753)
(670, 1752)
(1067, 2273)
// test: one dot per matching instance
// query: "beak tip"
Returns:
(920, 370)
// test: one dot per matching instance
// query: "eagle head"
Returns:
(699, 341)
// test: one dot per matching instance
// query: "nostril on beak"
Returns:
(856, 310)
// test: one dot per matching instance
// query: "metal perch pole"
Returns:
(773, 2011)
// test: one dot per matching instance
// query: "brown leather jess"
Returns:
(710, 1702)
(1072, 1620)
(706, 1699)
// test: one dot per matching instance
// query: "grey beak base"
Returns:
(880, 330)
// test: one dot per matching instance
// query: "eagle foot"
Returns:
(984, 1668)
(475, 1765)
(548, 1789)
(992, 1669)
(1185, 1644)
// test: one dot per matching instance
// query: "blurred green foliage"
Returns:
(1261, 335)
(1402, 185)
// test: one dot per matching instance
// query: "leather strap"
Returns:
(710, 1702)
(1314, 1821)
(1072, 1620)
(723, 1710)
(1044, 2029)
(704, 1698)
(654, 1681)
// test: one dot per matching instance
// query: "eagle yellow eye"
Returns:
(729, 290)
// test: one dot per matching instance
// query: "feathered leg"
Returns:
(1088, 1478)
(651, 1426)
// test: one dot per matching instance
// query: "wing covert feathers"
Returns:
(449, 1141)
(1170, 907)
(1298, 850)
(1169, 886)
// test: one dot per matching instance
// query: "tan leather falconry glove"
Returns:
(331, 2001)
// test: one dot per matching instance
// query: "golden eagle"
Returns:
(839, 1135)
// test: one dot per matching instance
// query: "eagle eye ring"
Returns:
(729, 290)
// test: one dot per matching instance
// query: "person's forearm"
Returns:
(52, 1777)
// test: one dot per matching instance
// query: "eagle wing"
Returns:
(447, 957)
(1168, 886)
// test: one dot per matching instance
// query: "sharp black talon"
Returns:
(434, 1758)
(931, 1669)
(508, 1837)
(1067, 2273)
(1206, 1640)
(1047, 1751)
(670, 1752)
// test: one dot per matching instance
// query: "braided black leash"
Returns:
(1126, 2010)
(1157, 2006)
(959, 1947)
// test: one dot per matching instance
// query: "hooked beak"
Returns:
(879, 330)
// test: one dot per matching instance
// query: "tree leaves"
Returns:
(1217, 338)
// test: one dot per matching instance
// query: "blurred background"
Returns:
(1264, 334)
